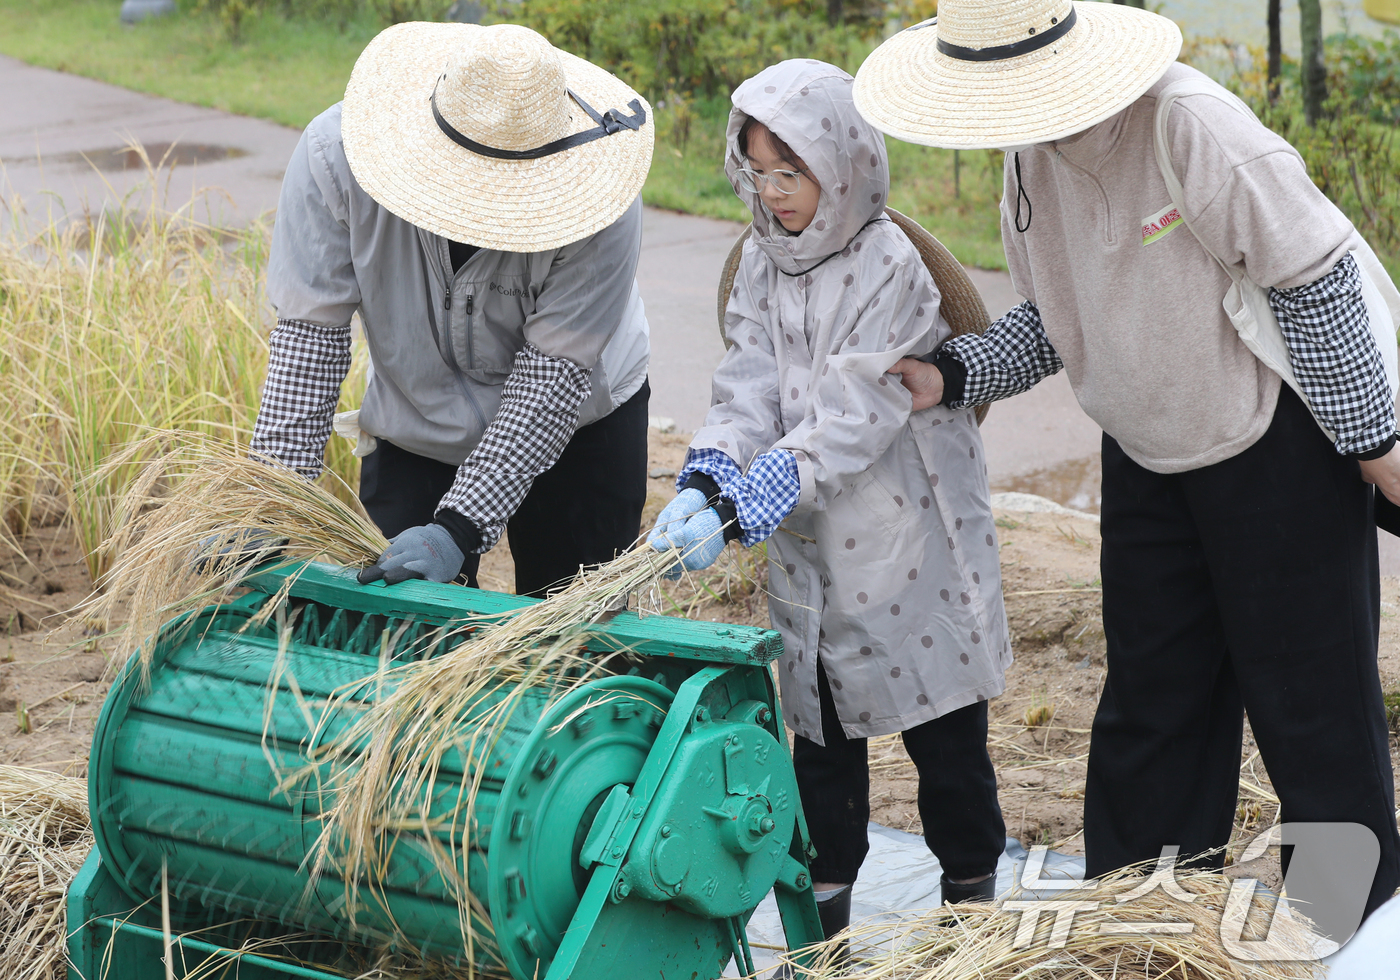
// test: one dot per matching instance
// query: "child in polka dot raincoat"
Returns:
(884, 575)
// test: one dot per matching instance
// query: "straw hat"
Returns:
(1011, 73)
(961, 304)
(492, 136)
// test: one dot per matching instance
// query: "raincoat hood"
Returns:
(808, 105)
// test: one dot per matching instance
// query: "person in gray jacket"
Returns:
(475, 199)
(1239, 542)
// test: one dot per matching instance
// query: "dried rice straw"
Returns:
(198, 497)
(44, 839)
(1117, 932)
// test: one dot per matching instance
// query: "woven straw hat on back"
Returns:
(1011, 73)
(492, 136)
(960, 303)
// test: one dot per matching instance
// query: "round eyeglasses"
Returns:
(785, 181)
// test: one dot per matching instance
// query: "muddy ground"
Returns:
(53, 675)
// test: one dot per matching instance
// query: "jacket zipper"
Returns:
(447, 301)
(449, 277)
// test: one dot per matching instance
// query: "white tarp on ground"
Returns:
(899, 874)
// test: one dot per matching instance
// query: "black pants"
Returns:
(583, 510)
(957, 792)
(1250, 585)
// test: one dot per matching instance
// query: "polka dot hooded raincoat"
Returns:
(887, 569)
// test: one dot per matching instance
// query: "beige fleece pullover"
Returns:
(1148, 348)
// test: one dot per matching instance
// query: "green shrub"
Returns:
(234, 15)
(1365, 72)
(392, 12)
(231, 14)
(337, 12)
(1352, 153)
(696, 47)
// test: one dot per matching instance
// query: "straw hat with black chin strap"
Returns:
(1012, 73)
(492, 136)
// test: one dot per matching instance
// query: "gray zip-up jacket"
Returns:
(442, 344)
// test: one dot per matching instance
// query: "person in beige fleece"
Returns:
(1239, 546)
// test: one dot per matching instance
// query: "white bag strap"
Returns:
(1263, 336)
(1246, 303)
(1168, 95)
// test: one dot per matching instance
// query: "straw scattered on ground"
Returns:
(1126, 927)
(44, 839)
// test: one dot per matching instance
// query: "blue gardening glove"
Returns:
(426, 552)
(704, 540)
(671, 522)
(700, 541)
(231, 548)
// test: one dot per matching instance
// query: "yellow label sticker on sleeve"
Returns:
(1161, 224)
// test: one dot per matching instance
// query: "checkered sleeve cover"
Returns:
(1011, 357)
(1335, 359)
(762, 498)
(305, 367)
(765, 495)
(537, 418)
(714, 463)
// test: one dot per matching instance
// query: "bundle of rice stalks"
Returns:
(44, 838)
(1125, 927)
(199, 514)
(384, 766)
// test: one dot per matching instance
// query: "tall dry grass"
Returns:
(114, 325)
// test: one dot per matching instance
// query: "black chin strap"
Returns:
(1021, 195)
(609, 122)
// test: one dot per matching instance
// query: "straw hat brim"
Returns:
(407, 164)
(910, 90)
(960, 304)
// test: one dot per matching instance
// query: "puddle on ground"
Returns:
(1075, 483)
(116, 158)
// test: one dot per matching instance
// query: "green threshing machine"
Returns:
(628, 829)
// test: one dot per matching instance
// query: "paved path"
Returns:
(53, 124)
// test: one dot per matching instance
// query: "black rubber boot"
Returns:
(977, 891)
(835, 914)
